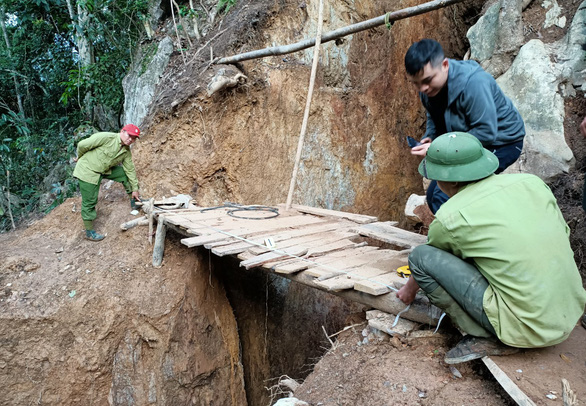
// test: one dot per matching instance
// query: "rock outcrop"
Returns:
(537, 81)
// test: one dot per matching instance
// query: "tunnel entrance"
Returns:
(279, 324)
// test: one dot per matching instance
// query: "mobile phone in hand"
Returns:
(412, 143)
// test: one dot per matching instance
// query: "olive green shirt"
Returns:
(511, 228)
(98, 154)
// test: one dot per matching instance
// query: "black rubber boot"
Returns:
(93, 236)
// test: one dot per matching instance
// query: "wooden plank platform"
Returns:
(347, 254)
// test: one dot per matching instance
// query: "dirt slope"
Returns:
(95, 324)
(86, 323)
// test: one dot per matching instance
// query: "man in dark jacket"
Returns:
(461, 96)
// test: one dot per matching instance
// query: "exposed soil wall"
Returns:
(280, 325)
(239, 145)
(95, 324)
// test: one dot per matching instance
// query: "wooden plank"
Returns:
(342, 267)
(361, 273)
(348, 280)
(307, 241)
(203, 239)
(507, 383)
(273, 225)
(196, 220)
(419, 311)
(241, 246)
(222, 216)
(289, 267)
(388, 264)
(334, 246)
(357, 218)
(247, 231)
(272, 256)
(384, 231)
(378, 285)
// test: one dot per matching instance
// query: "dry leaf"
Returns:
(562, 356)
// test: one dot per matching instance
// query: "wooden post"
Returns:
(307, 105)
(159, 247)
(151, 211)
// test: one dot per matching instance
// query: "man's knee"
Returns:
(421, 262)
(420, 258)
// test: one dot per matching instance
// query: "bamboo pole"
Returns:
(307, 105)
(341, 32)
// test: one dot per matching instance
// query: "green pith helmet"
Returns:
(457, 157)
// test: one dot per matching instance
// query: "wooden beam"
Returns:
(308, 241)
(356, 218)
(341, 32)
(241, 246)
(508, 385)
(159, 247)
(387, 232)
(421, 311)
(272, 256)
(377, 285)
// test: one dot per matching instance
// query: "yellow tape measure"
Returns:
(404, 271)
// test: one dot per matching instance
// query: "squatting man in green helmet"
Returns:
(105, 155)
(498, 259)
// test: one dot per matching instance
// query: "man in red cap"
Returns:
(105, 155)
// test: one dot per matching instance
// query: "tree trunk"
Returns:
(80, 20)
(9, 51)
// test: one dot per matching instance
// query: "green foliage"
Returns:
(39, 114)
(188, 12)
(225, 5)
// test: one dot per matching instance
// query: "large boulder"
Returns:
(140, 83)
(537, 82)
(532, 83)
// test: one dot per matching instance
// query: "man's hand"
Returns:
(583, 127)
(421, 150)
(136, 195)
(407, 293)
(75, 159)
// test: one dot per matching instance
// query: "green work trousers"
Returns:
(89, 194)
(454, 285)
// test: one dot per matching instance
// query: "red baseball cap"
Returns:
(131, 129)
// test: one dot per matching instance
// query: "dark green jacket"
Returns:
(477, 105)
(98, 154)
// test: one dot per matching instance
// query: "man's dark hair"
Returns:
(421, 53)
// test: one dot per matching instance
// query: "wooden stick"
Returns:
(151, 212)
(307, 105)
(133, 223)
(177, 32)
(159, 247)
(341, 32)
(182, 23)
